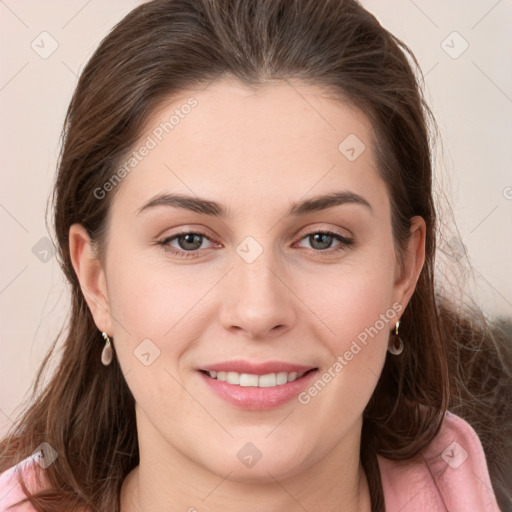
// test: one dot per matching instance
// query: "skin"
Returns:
(255, 151)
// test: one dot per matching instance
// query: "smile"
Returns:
(257, 386)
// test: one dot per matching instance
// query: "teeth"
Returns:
(233, 378)
(263, 381)
(268, 381)
(281, 378)
(247, 379)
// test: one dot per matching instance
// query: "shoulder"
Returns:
(450, 474)
(10, 488)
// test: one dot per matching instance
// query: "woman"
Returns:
(221, 159)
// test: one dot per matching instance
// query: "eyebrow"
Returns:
(215, 209)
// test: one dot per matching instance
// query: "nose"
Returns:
(258, 301)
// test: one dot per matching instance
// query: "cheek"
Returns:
(152, 307)
(364, 312)
(146, 296)
(364, 319)
(356, 298)
(157, 301)
(356, 308)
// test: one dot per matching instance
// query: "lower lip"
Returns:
(256, 398)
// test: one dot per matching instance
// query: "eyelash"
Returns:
(345, 243)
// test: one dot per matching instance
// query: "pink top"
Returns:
(449, 475)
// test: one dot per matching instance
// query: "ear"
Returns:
(91, 276)
(413, 259)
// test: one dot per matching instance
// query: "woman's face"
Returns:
(255, 288)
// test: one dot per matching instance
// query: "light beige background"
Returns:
(471, 96)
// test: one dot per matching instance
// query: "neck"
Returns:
(167, 480)
(136, 498)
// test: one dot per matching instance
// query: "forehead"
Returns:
(234, 142)
(227, 113)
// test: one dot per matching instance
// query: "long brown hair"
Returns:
(453, 358)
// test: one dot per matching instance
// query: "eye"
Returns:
(188, 241)
(321, 241)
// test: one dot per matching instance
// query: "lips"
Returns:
(257, 386)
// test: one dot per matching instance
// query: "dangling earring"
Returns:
(106, 354)
(392, 348)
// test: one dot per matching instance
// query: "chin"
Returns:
(261, 460)
(264, 471)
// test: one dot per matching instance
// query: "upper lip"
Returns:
(263, 368)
